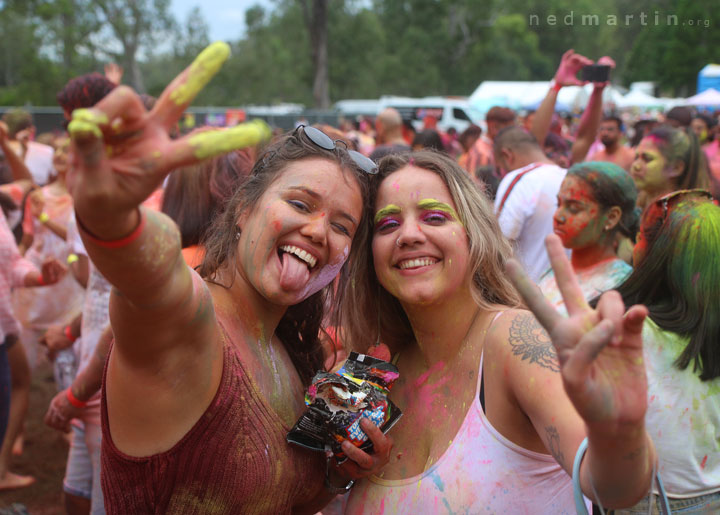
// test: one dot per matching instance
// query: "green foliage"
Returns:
(376, 47)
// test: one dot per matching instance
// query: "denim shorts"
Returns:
(702, 504)
(82, 475)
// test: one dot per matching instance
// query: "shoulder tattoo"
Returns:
(531, 342)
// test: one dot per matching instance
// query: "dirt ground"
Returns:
(44, 456)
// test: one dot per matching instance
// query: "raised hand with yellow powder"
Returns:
(122, 153)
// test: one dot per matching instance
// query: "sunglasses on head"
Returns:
(322, 140)
(667, 201)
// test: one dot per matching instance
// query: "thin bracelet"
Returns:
(555, 86)
(115, 244)
(342, 490)
(580, 507)
(74, 400)
(69, 334)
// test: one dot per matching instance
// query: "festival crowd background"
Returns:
(607, 186)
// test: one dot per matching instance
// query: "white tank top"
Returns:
(683, 417)
(481, 472)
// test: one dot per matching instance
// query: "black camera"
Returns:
(596, 73)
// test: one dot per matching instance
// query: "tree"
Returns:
(136, 25)
(315, 14)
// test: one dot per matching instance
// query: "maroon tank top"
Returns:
(234, 460)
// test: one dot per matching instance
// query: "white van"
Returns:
(450, 112)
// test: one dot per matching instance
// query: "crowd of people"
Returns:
(547, 291)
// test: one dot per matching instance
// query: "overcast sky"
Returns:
(226, 18)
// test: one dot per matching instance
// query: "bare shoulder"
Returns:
(517, 333)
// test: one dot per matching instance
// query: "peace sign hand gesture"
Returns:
(599, 350)
(122, 153)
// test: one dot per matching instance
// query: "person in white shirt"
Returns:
(526, 198)
(37, 157)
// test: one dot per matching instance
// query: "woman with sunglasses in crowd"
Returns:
(676, 275)
(487, 425)
(667, 160)
(596, 204)
(208, 371)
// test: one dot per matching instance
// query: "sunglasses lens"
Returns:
(366, 164)
(318, 137)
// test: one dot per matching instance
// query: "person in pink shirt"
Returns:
(496, 399)
(15, 272)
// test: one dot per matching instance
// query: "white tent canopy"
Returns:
(529, 94)
(709, 97)
(637, 98)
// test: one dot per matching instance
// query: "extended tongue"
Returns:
(295, 273)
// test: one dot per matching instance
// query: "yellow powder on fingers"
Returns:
(211, 143)
(76, 128)
(90, 116)
(203, 68)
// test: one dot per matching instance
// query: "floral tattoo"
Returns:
(531, 342)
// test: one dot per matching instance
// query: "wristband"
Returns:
(114, 244)
(74, 400)
(555, 86)
(72, 258)
(69, 334)
(336, 489)
(43, 218)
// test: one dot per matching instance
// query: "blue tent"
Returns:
(709, 77)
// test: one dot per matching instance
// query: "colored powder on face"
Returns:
(436, 205)
(211, 143)
(203, 68)
(390, 209)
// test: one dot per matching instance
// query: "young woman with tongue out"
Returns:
(494, 410)
(208, 371)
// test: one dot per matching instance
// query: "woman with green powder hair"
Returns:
(596, 205)
(676, 275)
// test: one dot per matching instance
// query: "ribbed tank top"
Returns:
(481, 472)
(234, 460)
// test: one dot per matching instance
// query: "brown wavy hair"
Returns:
(300, 327)
(371, 313)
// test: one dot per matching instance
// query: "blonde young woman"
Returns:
(494, 411)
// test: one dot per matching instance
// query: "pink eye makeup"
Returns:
(436, 216)
(383, 218)
(437, 208)
(386, 223)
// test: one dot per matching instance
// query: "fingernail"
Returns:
(80, 129)
(90, 116)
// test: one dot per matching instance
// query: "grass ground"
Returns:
(44, 456)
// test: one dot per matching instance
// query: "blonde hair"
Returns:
(370, 309)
